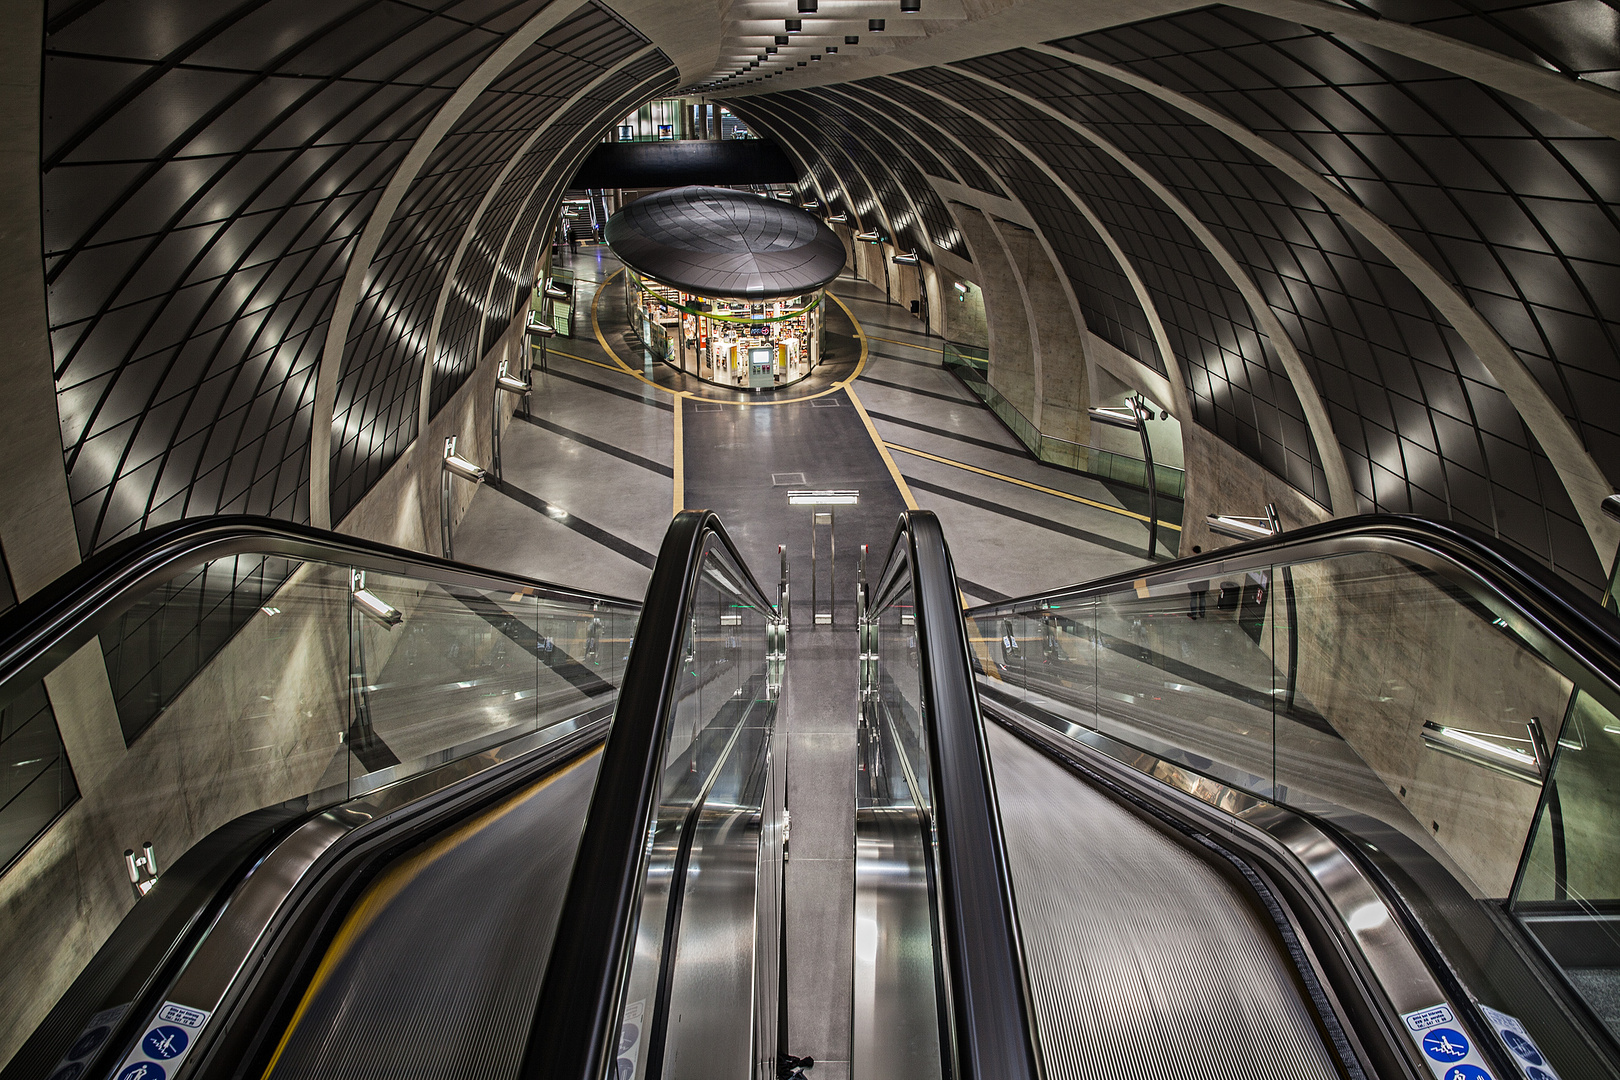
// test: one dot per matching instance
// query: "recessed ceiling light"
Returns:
(795, 25)
(852, 39)
(875, 25)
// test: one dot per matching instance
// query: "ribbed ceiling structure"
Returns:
(1373, 246)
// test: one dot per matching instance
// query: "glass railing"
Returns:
(666, 959)
(939, 986)
(971, 364)
(1448, 710)
(364, 666)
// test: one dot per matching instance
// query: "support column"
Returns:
(1012, 354)
(1062, 396)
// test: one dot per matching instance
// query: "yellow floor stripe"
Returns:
(871, 429)
(1025, 483)
(383, 891)
(594, 363)
(679, 460)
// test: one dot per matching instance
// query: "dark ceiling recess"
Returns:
(694, 161)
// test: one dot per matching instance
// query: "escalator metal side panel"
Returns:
(1395, 977)
(895, 1029)
(245, 931)
(1145, 961)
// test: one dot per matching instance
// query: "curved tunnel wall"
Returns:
(209, 174)
(1305, 223)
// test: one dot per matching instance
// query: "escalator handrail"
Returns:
(572, 1036)
(990, 1000)
(49, 626)
(1550, 603)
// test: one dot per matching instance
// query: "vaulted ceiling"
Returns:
(1373, 246)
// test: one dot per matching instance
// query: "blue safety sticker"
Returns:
(1439, 1037)
(1521, 1047)
(165, 1043)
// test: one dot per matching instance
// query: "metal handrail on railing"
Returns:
(1548, 604)
(573, 1034)
(989, 998)
(51, 625)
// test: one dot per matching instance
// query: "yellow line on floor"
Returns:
(595, 363)
(1025, 483)
(679, 459)
(907, 344)
(871, 429)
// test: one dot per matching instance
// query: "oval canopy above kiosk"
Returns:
(726, 285)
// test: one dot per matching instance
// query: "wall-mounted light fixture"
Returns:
(454, 465)
(370, 603)
(538, 328)
(838, 218)
(511, 383)
(960, 288)
(553, 291)
(1494, 752)
(812, 204)
(1133, 416)
(457, 465)
(142, 869)
(910, 258)
(870, 236)
(1246, 528)
(877, 26)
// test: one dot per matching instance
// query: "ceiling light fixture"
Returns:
(876, 25)
(795, 25)
(781, 39)
(807, 7)
(910, 5)
(815, 56)
(832, 48)
(852, 39)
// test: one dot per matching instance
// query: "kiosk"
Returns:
(725, 285)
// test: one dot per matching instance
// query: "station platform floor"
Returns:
(617, 441)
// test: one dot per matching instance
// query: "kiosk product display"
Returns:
(725, 285)
(736, 343)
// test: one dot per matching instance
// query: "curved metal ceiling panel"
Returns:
(203, 176)
(378, 388)
(499, 261)
(1519, 209)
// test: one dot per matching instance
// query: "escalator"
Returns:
(1330, 805)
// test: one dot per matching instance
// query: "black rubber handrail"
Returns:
(573, 1035)
(1549, 603)
(48, 627)
(995, 1034)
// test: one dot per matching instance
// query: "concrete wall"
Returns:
(260, 725)
(1012, 349)
(1381, 650)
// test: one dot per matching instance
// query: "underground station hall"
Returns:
(810, 540)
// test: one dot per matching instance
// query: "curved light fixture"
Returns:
(457, 465)
(511, 383)
(372, 604)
